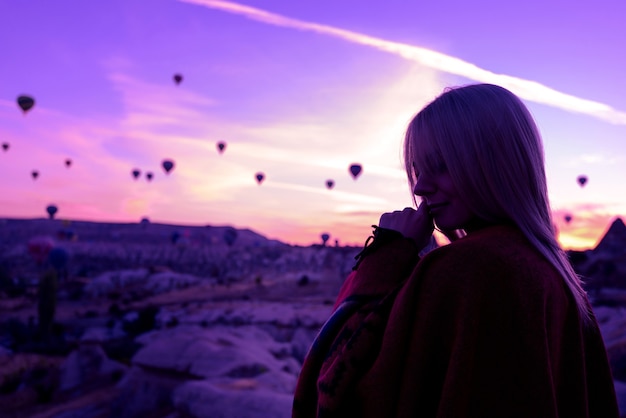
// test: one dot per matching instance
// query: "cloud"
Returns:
(297, 153)
(593, 159)
(335, 194)
(150, 104)
(526, 89)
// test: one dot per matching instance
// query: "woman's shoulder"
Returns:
(494, 257)
(491, 243)
(499, 244)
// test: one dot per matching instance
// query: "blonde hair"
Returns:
(487, 140)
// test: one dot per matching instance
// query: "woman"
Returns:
(494, 324)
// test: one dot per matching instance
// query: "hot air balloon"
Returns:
(582, 180)
(58, 258)
(355, 170)
(136, 173)
(68, 162)
(5, 146)
(221, 146)
(178, 78)
(66, 234)
(25, 103)
(168, 165)
(230, 235)
(39, 248)
(568, 218)
(259, 177)
(149, 176)
(34, 174)
(325, 238)
(330, 184)
(52, 210)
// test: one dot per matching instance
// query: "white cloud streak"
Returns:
(593, 159)
(356, 198)
(526, 89)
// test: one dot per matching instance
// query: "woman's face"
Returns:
(445, 205)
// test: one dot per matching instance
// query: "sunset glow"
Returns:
(297, 91)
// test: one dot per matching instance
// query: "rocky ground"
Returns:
(224, 336)
(203, 350)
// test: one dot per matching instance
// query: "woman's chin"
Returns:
(441, 224)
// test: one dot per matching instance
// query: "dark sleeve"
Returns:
(386, 260)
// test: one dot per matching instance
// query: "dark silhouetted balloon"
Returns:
(68, 162)
(221, 146)
(355, 170)
(259, 177)
(178, 78)
(582, 180)
(149, 176)
(25, 103)
(5, 146)
(168, 165)
(39, 248)
(34, 174)
(66, 234)
(568, 218)
(330, 184)
(145, 221)
(52, 210)
(325, 237)
(136, 173)
(58, 258)
(230, 236)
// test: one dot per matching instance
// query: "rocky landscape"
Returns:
(150, 320)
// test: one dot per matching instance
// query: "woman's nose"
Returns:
(423, 187)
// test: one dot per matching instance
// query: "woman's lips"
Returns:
(433, 207)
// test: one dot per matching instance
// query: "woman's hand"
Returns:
(415, 224)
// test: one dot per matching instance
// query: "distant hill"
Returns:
(605, 266)
(99, 246)
(614, 240)
(16, 231)
(221, 252)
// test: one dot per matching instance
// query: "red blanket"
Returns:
(483, 327)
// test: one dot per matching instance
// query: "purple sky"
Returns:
(298, 90)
